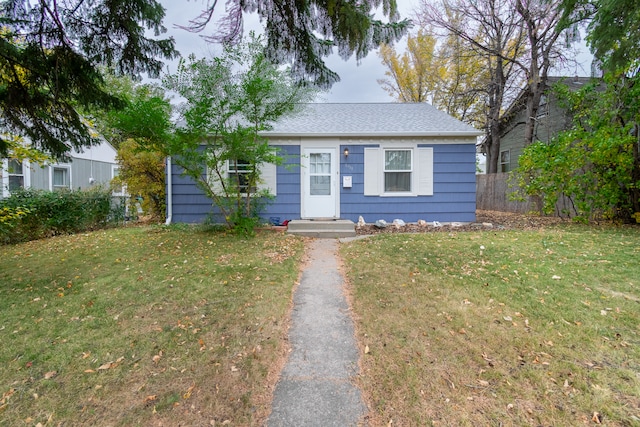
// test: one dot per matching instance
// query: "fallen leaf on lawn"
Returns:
(106, 366)
(86, 354)
(89, 371)
(597, 418)
(50, 375)
(233, 368)
(508, 318)
(483, 383)
(366, 349)
(554, 277)
(150, 398)
(157, 357)
(6, 395)
(187, 394)
(603, 312)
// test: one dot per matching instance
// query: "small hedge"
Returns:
(35, 214)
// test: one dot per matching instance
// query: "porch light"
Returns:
(346, 152)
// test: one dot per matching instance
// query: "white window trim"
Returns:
(4, 176)
(123, 187)
(421, 171)
(267, 172)
(60, 166)
(411, 170)
(508, 163)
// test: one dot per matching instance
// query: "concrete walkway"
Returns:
(315, 387)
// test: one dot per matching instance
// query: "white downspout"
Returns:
(169, 192)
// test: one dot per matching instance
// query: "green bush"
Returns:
(35, 214)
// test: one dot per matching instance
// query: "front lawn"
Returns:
(143, 326)
(500, 328)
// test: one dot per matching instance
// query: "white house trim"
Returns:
(65, 166)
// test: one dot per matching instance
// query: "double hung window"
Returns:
(239, 173)
(16, 174)
(397, 170)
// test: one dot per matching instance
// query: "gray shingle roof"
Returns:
(366, 119)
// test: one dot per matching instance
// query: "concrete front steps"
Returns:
(328, 229)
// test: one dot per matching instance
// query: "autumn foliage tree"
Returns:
(416, 75)
(139, 132)
(443, 72)
(142, 171)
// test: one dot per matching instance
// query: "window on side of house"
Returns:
(118, 189)
(398, 169)
(543, 107)
(15, 169)
(60, 177)
(238, 172)
(505, 161)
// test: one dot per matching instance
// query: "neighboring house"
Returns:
(94, 165)
(551, 119)
(381, 161)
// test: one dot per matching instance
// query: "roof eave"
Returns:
(370, 134)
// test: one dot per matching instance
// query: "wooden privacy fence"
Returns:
(492, 194)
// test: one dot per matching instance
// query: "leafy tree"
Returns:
(416, 75)
(448, 75)
(49, 56)
(228, 101)
(302, 33)
(596, 164)
(138, 132)
(613, 31)
(142, 171)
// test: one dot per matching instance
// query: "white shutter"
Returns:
(372, 171)
(268, 172)
(214, 180)
(424, 170)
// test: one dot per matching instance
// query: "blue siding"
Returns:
(191, 206)
(454, 197)
(454, 189)
(287, 202)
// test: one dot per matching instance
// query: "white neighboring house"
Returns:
(93, 166)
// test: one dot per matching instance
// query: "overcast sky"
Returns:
(358, 81)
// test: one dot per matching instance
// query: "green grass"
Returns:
(505, 328)
(143, 326)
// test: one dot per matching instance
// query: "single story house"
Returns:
(346, 160)
(93, 166)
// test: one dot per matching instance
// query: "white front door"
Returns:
(319, 183)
